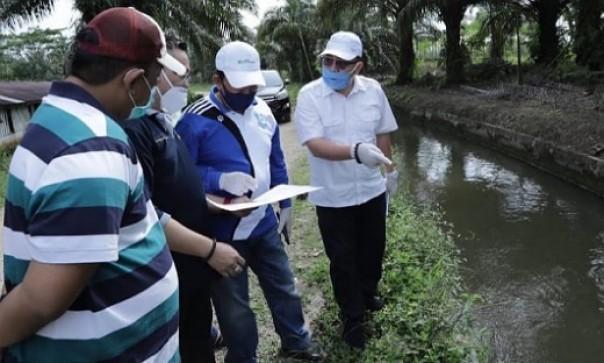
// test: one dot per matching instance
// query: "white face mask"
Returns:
(174, 99)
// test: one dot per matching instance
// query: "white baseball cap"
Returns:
(240, 63)
(345, 45)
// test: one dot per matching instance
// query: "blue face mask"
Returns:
(336, 80)
(238, 102)
(140, 111)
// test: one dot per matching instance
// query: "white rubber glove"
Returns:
(285, 221)
(391, 182)
(237, 183)
(369, 155)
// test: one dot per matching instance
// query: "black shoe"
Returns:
(354, 334)
(374, 303)
(313, 353)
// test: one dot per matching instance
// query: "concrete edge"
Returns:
(580, 169)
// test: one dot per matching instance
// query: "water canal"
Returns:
(533, 245)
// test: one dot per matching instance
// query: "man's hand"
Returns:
(242, 212)
(369, 155)
(226, 260)
(285, 223)
(237, 183)
(392, 182)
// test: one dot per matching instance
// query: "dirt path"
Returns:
(290, 144)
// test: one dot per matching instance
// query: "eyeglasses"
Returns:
(184, 78)
(178, 44)
(340, 64)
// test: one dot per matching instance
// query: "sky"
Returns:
(64, 16)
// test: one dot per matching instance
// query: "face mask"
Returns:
(238, 102)
(336, 80)
(174, 99)
(140, 111)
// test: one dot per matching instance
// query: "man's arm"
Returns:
(222, 258)
(47, 291)
(324, 149)
(383, 143)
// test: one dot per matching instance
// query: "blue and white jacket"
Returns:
(221, 141)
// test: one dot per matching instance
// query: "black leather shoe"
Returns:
(354, 334)
(374, 303)
(314, 353)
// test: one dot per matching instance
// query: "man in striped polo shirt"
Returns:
(88, 271)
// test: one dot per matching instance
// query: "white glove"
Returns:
(237, 183)
(285, 222)
(369, 155)
(391, 182)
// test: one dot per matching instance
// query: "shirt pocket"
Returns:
(334, 129)
(368, 122)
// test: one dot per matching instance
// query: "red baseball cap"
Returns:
(128, 34)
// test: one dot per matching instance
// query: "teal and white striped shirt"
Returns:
(76, 195)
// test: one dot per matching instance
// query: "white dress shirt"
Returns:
(324, 113)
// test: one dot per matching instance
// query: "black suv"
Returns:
(276, 96)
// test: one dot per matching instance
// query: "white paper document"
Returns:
(276, 194)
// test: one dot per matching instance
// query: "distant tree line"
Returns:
(542, 33)
(36, 55)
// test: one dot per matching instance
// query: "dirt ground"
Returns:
(569, 116)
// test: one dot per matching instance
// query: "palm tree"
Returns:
(546, 13)
(451, 12)
(501, 21)
(287, 33)
(203, 23)
(588, 35)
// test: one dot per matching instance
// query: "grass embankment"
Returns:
(426, 318)
(5, 156)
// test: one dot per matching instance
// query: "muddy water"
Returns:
(533, 246)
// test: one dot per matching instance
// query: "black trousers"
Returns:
(195, 323)
(195, 309)
(354, 239)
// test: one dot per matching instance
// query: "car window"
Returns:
(272, 78)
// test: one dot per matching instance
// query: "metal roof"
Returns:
(12, 93)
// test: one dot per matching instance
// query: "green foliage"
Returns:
(287, 39)
(6, 153)
(36, 55)
(426, 318)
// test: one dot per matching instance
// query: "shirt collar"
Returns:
(75, 92)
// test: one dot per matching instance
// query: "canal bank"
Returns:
(558, 130)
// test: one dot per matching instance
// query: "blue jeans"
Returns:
(267, 258)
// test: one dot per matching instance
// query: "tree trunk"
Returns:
(310, 73)
(549, 45)
(453, 12)
(518, 53)
(588, 35)
(497, 45)
(406, 51)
